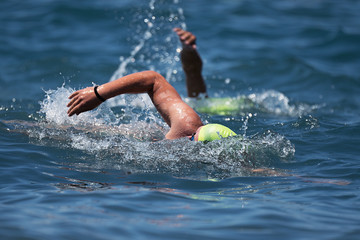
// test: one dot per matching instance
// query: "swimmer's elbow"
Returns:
(157, 81)
(154, 75)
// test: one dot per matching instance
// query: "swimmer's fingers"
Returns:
(178, 30)
(73, 99)
(81, 105)
(74, 106)
(74, 94)
(82, 101)
(187, 38)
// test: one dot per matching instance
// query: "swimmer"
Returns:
(180, 117)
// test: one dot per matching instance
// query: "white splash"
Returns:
(276, 102)
(155, 49)
(54, 109)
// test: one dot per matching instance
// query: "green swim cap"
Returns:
(212, 132)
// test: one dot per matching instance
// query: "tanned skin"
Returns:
(181, 118)
(191, 63)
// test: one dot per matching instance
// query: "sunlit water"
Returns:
(283, 75)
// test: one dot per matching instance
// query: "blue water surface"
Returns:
(291, 173)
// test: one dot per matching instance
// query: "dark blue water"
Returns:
(100, 175)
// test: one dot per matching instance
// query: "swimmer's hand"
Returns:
(82, 100)
(187, 39)
(191, 63)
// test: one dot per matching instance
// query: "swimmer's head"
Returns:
(212, 132)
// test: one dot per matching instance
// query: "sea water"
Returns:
(287, 70)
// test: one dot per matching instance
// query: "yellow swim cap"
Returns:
(212, 132)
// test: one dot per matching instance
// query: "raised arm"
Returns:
(191, 63)
(182, 119)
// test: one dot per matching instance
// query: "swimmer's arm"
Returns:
(191, 63)
(181, 118)
(141, 82)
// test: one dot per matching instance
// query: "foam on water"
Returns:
(220, 159)
(276, 102)
(115, 143)
(123, 132)
(132, 147)
(54, 109)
